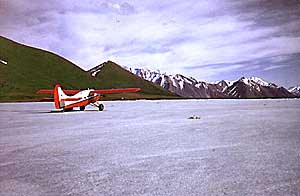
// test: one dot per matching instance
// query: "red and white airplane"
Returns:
(81, 99)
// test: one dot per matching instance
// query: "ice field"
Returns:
(143, 148)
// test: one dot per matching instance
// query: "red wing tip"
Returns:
(44, 91)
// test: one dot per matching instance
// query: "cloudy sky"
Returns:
(207, 39)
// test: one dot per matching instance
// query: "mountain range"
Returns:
(189, 87)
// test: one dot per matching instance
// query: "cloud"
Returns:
(247, 67)
(272, 67)
(173, 36)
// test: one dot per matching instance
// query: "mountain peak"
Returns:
(252, 81)
(260, 81)
(245, 80)
(295, 90)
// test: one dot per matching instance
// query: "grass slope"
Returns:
(29, 69)
(112, 75)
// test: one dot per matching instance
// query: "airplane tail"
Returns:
(58, 96)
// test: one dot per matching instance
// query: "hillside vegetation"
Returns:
(24, 70)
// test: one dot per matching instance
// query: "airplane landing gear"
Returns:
(101, 107)
(82, 108)
(67, 109)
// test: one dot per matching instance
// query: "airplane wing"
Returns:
(51, 92)
(120, 90)
(101, 92)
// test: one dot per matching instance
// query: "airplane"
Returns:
(81, 99)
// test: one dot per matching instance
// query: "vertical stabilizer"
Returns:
(58, 95)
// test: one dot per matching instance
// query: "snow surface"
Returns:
(201, 84)
(163, 80)
(181, 84)
(253, 81)
(229, 82)
(246, 81)
(4, 62)
(174, 82)
(294, 89)
(198, 85)
(96, 70)
(236, 147)
(260, 81)
(233, 91)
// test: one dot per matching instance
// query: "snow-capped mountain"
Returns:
(261, 82)
(181, 85)
(256, 88)
(253, 87)
(295, 91)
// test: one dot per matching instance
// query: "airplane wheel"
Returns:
(101, 107)
(67, 109)
(82, 108)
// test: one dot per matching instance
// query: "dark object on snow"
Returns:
(194, 117)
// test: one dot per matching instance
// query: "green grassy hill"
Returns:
(112, 75)
(29, 69)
